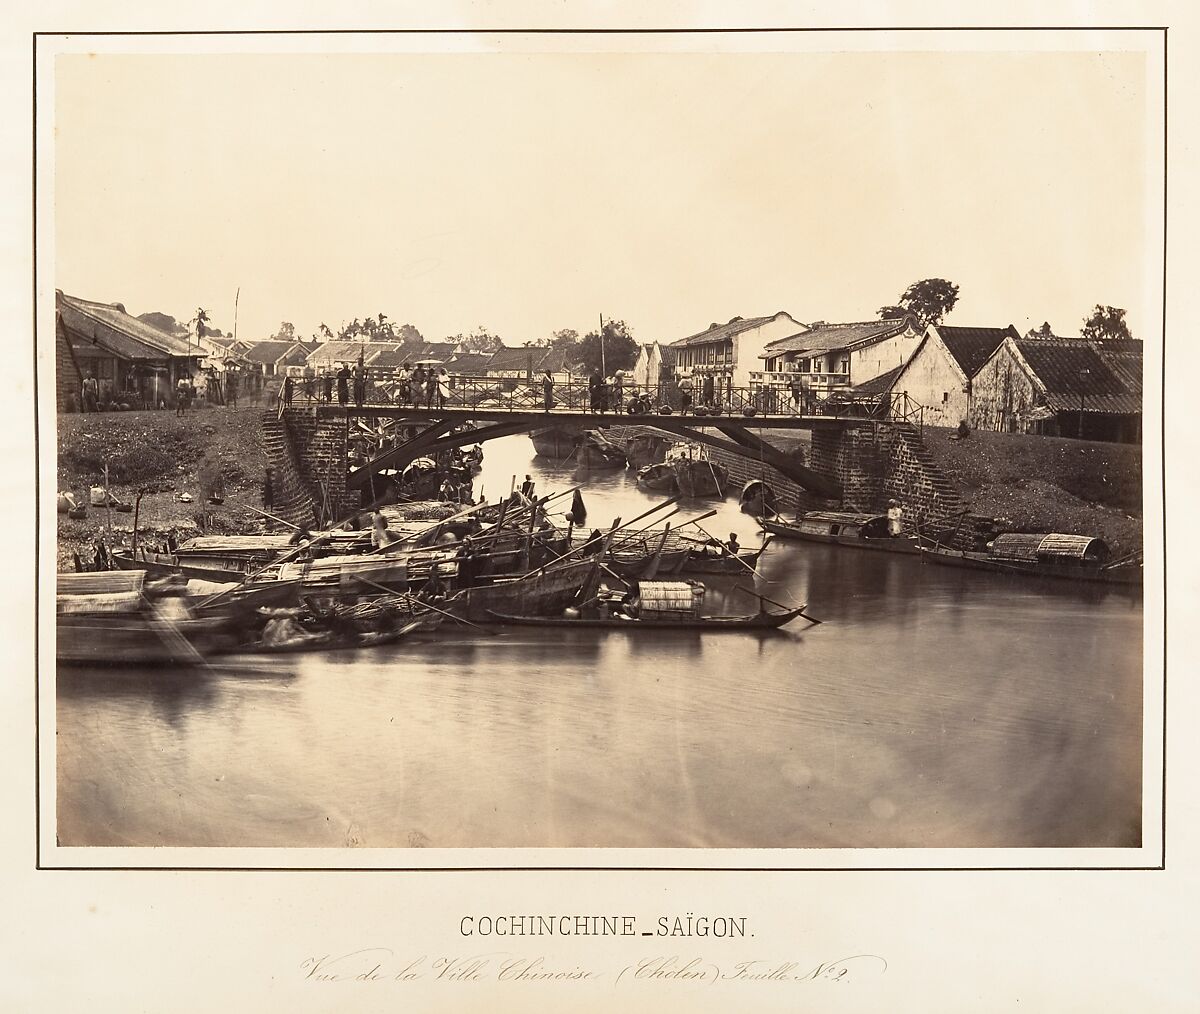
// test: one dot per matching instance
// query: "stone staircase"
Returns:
(291, 499)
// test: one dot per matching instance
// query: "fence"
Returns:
(582, 395)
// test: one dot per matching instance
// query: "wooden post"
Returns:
(107, 505)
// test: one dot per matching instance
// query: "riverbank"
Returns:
(163, 456)
(1046, 484)
(1028, 482)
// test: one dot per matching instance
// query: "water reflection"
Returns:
(934, 707)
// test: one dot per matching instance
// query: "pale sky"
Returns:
(532, 192)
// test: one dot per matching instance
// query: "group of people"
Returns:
(151, 389)
(606, 393)
(418, 387)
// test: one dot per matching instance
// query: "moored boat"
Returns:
(659, 477)
(695, 473)
(757, 499)
(105, 618)
(1064, 557)
(547, 591)
(702, 561)
(329, 640)
(556, 442)
(595, 450)
(658, 605)
(749, 621)
(858, 531)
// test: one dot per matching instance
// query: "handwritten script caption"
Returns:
(381, 965)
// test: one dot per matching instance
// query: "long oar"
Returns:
(749, 591)
(741, 562)
(425, 531)
(645, 514)
(320, 537)
(636, 533)
(412, 598)
(265, 514)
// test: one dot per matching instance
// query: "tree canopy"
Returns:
(1045, 331)
(929, 300)
(374, 328)
(162, 321)
(286, 332)
(479, 340)
(1106, 322)
(620, 348)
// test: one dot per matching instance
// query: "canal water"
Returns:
(933, 707)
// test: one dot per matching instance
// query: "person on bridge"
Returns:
(443, 387)
(596, 391)
(327, 386)
(287, 392)
(360, 382)
(547, 391)
(343, 379)
(685, 394)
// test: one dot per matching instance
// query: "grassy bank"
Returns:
(1047, 483)
(163, 457)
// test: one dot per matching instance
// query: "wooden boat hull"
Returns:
(159, 565)
(659, 477)
(753, 621)
(643, 449)
(701, 563)
(557, 442)
(785, 530)
(133, 639)
(634, 567)
(548, 592)
(757, 499)
(700, 477)
(257, 595)
(1126, 576)
(333, 642)
(359, 573)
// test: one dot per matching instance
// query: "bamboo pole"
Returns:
(734, 555)
(267, 514)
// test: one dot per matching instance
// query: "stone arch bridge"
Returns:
(854, 461)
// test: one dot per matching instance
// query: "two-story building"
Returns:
(728, 354)
(821, 358)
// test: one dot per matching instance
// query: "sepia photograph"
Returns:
(632, 442)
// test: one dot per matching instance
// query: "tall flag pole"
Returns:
(603, 368)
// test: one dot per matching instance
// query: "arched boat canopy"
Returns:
(1032, 547)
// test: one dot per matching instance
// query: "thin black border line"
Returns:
(600, 869)
(621, 31)
(1162, 864)
(37, 505)
(1163, 454)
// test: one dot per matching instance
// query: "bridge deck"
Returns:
(539, 419)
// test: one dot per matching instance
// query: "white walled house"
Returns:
(942, 372)
(825, 358)
(731, 352)
(654, 365)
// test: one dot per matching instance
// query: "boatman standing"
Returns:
(895, 516)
